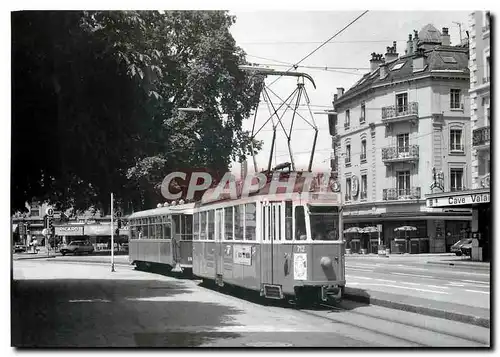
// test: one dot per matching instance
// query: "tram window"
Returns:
(324, 223)
(203, 225)
(159, 231)
(177, 223)
(300, 223)
(239, 222)
(167, 231)
(288, 221)
(250, 221)
(228, 222)
(279, 222)
(187, 226)
(211, 224)
(196, 226)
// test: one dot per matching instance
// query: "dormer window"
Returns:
(398, 66)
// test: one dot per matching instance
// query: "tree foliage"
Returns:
(96, 96)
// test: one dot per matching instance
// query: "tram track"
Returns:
(391, 320)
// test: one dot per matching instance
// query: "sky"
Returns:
(277, 39)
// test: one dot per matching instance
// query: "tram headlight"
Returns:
(158, 205)
(326, 262)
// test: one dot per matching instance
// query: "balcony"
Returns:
(396, 113)
(394, 194)
(486, 31)
(347, 125)
(486, 80)
(347, 161)
(347, 197)
(481, 137)
(363, 195)
(399, 154)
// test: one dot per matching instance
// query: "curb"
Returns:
(350, 294)
(38, 257)
(459, 264)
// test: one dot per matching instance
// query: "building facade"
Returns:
(477, 197)
(398, 127)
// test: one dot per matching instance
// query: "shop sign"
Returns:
(98, 230)
(69, 231)
(458, 200)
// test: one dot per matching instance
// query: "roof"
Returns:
(451, 59)
(180, 209)
(429, 34)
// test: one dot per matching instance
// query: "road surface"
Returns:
(65, 304)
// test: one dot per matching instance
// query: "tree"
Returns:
(95, 98)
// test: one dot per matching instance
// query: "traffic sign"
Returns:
(49, 211)
(45, 232)
(118, 213)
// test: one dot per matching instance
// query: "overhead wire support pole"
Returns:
(112, 237)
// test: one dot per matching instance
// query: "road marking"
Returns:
(387, 281)
(439, 287)
(402, 282)
(456, 284)
(403, 287)
(422, 276)
(359, 269)
(361, 265)
(92, 300)
(477, 291)
(358, 277)
(461, 272)
(477, 282)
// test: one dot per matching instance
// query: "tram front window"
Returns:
(324, 223)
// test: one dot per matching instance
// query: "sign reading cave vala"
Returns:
(458, 200)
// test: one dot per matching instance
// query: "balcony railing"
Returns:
(399, 153)
(363, 195)
(347, 197)
(399, 111)
(363, 157)
(347, 125)
(347, 161)
(486, 80)
(389, 194)
(481, 136)
(486, 28)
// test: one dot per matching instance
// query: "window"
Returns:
(211, 225)
(363, 150)
(228, 222)
(203, 227)
(364, 186)
(403, 183)
(454, 98)
(362, 118)
(196, 226)
(324, 223)
(348, 154)
(456, 143)
(250, 221)
(401, 103)
(288, 221)
(348, 189)
(456, 180)
(239, 222)
(404, 142)
(176, 220)
(167, 227)
(398, 66)
(300, 223)
(347, 122)
(35, 212)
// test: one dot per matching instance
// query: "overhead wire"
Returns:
(320, 46)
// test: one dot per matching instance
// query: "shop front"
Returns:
(479, 228)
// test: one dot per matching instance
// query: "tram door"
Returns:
(219, 248)
(271, 235)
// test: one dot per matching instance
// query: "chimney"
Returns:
(391, 54)
(383, 70)
(340, 92)
(419, 60)
(376, 61)
(415, 41)
(445, 37)
(409, 45)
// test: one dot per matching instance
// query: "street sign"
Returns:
(49, 211)
(118, 213)
(45, 232)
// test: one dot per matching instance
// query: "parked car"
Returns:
(467, 248)
(19, 248)
(456, 248)
(77, 247)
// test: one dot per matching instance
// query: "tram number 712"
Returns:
(301, 248)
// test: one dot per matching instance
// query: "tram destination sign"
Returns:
(458, 200)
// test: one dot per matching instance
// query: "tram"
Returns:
(162, 237)
(287, 246)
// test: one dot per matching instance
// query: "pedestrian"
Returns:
(35, 243)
